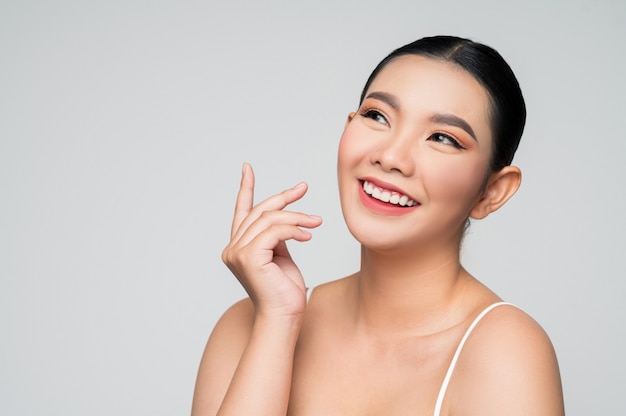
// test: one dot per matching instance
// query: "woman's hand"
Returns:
(247, 365)
(257, 254)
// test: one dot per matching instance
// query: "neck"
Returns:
(408, 292)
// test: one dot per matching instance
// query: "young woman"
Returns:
(411, 332)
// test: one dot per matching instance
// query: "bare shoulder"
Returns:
(221, 356)
(332, 290)
(508, 366)
(235, 324)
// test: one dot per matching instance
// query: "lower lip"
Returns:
(383, 208)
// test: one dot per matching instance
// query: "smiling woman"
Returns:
(423, 132)
(411, 332)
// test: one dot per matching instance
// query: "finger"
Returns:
(274, 203)
(260, 249)
(270, 219)
(245, 197)
(278, 233)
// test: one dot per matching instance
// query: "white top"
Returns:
(446, 380)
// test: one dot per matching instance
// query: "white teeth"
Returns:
(387, 196)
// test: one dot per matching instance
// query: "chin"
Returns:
(381, 237)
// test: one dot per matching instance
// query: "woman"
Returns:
(411, 332)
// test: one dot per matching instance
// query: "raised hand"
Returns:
(257, 254)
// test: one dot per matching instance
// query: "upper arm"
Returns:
(221, 357)
(508, 367)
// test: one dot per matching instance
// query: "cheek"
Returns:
(349, 151)
(343, 161)
(458, 183)
(341, 151)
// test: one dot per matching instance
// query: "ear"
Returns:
(501, 186)
(350, 117)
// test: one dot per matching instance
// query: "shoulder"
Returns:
(232, 331)
(222, 354)
(239, 318)
(326, 298)
(508, 366)
(333, 290)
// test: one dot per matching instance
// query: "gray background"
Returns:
(123, 128)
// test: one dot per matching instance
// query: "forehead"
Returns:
(424, 86)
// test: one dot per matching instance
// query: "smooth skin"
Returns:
(379, 342)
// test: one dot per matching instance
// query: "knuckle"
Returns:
(226, 255)
(267, 216)
(229, 255)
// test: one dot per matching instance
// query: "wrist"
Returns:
(273, 318)
(278, 323)
(283, 314)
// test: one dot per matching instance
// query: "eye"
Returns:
(445, 139)
(374, 115)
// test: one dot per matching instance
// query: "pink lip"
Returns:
(380, 207)
(385, 185)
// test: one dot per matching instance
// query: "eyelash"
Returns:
(452, 141)
(374, 114)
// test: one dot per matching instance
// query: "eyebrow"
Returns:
(385, 97)
(452, 120)
(448, 119)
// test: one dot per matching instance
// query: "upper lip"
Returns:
(387, 186)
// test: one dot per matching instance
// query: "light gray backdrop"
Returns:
(123, 128)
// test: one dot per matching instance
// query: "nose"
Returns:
(395, 153)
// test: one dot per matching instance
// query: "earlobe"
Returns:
(501, 186)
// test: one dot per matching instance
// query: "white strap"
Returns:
(446, 380)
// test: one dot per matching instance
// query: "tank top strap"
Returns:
(446, 380)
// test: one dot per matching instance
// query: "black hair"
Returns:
(486, 65)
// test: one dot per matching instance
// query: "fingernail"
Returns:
(315, 217)
(244, 168)
(300, 185)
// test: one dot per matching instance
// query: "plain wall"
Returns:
(123, 128)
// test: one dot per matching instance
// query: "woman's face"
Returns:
(413, 160)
